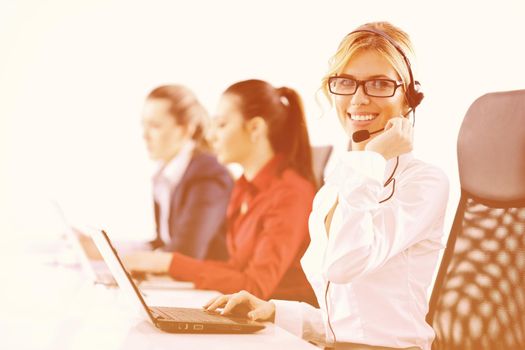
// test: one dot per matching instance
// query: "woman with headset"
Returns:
(377, 223)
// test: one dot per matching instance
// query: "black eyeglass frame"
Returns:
(397, 84)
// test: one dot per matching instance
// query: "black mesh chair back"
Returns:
(478, 301)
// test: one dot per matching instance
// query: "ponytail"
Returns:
(198, 117)
(282, 110)
(294, 138)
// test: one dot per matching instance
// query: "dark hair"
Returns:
(186, 110)
(282, 109)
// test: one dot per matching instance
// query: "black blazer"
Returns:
(197, 221)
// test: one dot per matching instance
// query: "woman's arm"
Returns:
(373, 232)
(301, 319)
(298, 318)
(283, 232)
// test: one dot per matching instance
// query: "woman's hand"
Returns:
(146, 261)
(243, 304)
(397, 139)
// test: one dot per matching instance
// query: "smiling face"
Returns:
(359, 111)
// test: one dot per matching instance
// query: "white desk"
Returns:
(52, 307)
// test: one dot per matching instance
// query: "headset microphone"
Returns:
(362, 135)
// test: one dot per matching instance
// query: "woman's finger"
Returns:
(219, 302)
(257, 314)
(264, 312)
(394, 123)
(406, 126)
(234, 301)
(211, 301)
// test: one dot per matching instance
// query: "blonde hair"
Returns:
(356, 42)
(186, 110)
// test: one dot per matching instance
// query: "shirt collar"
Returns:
(168, 171)
(265, 175)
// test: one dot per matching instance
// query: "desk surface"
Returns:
(45, 306)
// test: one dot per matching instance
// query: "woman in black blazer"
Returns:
(191, 190)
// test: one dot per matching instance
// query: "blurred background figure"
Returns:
(263, 129)
(191, 189)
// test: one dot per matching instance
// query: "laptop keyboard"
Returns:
(195, 315)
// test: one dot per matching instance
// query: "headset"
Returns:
(412, 93)
(414, 98)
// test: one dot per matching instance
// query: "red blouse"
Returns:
(267, 236)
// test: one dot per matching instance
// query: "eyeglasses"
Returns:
(344, 85)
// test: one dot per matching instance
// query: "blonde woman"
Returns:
(377, 223)
(191, 189)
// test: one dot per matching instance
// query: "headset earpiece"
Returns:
(413, 95)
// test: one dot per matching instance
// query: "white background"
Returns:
(74, 74)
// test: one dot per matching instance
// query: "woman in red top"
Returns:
(263, 129)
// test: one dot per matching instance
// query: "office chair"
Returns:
(320, 156)
(478, 301)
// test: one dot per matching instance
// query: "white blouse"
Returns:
(378, 258)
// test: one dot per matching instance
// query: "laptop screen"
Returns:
(116, 267)
(96, 270)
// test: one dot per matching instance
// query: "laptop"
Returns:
(98, 271)
(170, 319)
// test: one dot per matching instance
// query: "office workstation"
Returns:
(280, 172)
(60, 308)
